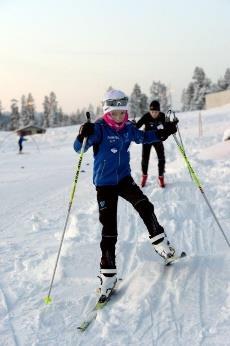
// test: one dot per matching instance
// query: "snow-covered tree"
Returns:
(187, 97)
(1, 108)
(158, 91)
(60, 115)
(14, 116)
(53, 115)
(138, 102)
(91, 111)
(27, 110)
(23, 110)
(30, 108)
(201, 88)
(193, 98)
(227, 77)
(46, 107)
(99, 111)
(224, 83)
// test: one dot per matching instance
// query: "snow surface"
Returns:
(185, 304)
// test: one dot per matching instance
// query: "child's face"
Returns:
(118, 116)
(154, 114)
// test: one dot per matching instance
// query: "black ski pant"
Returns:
(107, 197)
(146, 149)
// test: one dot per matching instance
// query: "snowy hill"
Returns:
(187, 303)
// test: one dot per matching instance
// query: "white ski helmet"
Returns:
(115, 100)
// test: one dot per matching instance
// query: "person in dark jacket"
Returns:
(153, 120)
(110, 137)
(20, 141)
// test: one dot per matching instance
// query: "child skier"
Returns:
(110, 137)
(20, 141)
(153, 120)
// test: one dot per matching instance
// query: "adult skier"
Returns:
(110, 137)
(153, 120)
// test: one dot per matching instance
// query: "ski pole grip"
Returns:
(88, 116)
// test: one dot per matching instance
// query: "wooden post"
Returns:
(200, 128)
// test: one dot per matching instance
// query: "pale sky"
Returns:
(79, 48)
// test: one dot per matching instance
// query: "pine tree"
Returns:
(224, 83)
(14, 121)
(91, 111)
(138, 102)
(46, 107)
(201, 88)
(60, 116)
(143, 104)
(53, 115)
(227, 77)
(27, 110)
(193, 98)
(187, 97)
(159, 92)
(99, 111)
(23, 110)
(30, 109)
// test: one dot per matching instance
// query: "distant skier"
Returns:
(110, 137)
(153, 120)
(20, 141)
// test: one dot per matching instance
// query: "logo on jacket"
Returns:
(102, 204)
(114, 150)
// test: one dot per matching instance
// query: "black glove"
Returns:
(134, 122)
(162, 134)
(169, 129)
(86, 130)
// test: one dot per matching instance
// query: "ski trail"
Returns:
(160, 297)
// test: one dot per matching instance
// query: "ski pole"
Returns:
(48, 298)
(198, 184)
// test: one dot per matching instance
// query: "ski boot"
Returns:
(161, 181)
(144, 180)
(163, 248)
(106, 286)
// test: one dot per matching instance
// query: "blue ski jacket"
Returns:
(111, 150)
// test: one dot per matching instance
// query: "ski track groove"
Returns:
(159, 286)
(127, 259)
(151, 319)
(7, 314)
(202, 300)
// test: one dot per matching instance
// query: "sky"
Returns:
(79, 48)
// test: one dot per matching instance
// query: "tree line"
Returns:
(193, 98)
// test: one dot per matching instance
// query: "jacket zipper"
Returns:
(103, 167)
